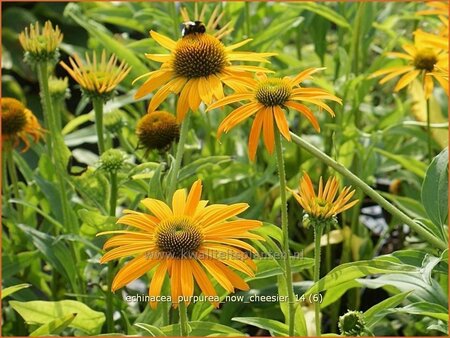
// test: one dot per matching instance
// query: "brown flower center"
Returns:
(178, 237)
(273, 92)
(157, 130)
(199, 55)
(425, 59)
(14, 117)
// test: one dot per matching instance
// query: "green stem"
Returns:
(14, 181)
(376, 197)
(173, 14)
(178, 157)
(184, 325)
(285, 231)
(317, 236)
(53, 132)
(247, 19)
(98, 109)
(356, 38)
(429, 139)
(110, 272)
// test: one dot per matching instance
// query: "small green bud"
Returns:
(114, 121)
(352, 324)
(112, 160)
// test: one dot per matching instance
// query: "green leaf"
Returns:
(202, 329)
(54, 327)
(42, 312)
(275, 327)
(335, 293)
(378, 311)
(435, 189)
(425, 309)
(350, 271)
(56, 252)
(11, 289)
(95, 219)
(269, 267)
(326, 12)
(300, 327)
(192, 168)
(105, 38)
(408, 162)
(12, 264)
(153, 330)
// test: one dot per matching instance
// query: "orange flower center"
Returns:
(199, 55)
(178, 237)
(273, 92)
(425, 59)
(14, 117)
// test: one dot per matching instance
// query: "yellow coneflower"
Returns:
(18, 123)
(324, 204)
(423, 59)
(97, 78)
(157, 130)
(197, 67)
(184, 241)
(268, 97)
(212, 26)
(41, 45)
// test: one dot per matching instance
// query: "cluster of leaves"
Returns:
(51, 276)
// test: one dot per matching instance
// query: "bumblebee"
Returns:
(191, 27)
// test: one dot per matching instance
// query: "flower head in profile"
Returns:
(189, 241)
(18, 123)
(423, 59)
(268, 97)
(213, 26)
(97, 78)
(324, 205)
(197, 67)
(41, 44)
(353, 324)
(157, 130)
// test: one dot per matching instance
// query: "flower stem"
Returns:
(178, 157)
(54, 133)
(285, 231)
(376, 197)
(110, 271)
(429, 139)
(14, 180)
(184, 325)
(317, 236)
(98, 109)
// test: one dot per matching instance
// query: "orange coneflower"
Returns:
(185, 241)
(97, 78)
(324, 204)
(197, 67)
(18, 123)
(268, 97)
(424, 59)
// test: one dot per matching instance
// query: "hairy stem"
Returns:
(285, 231)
